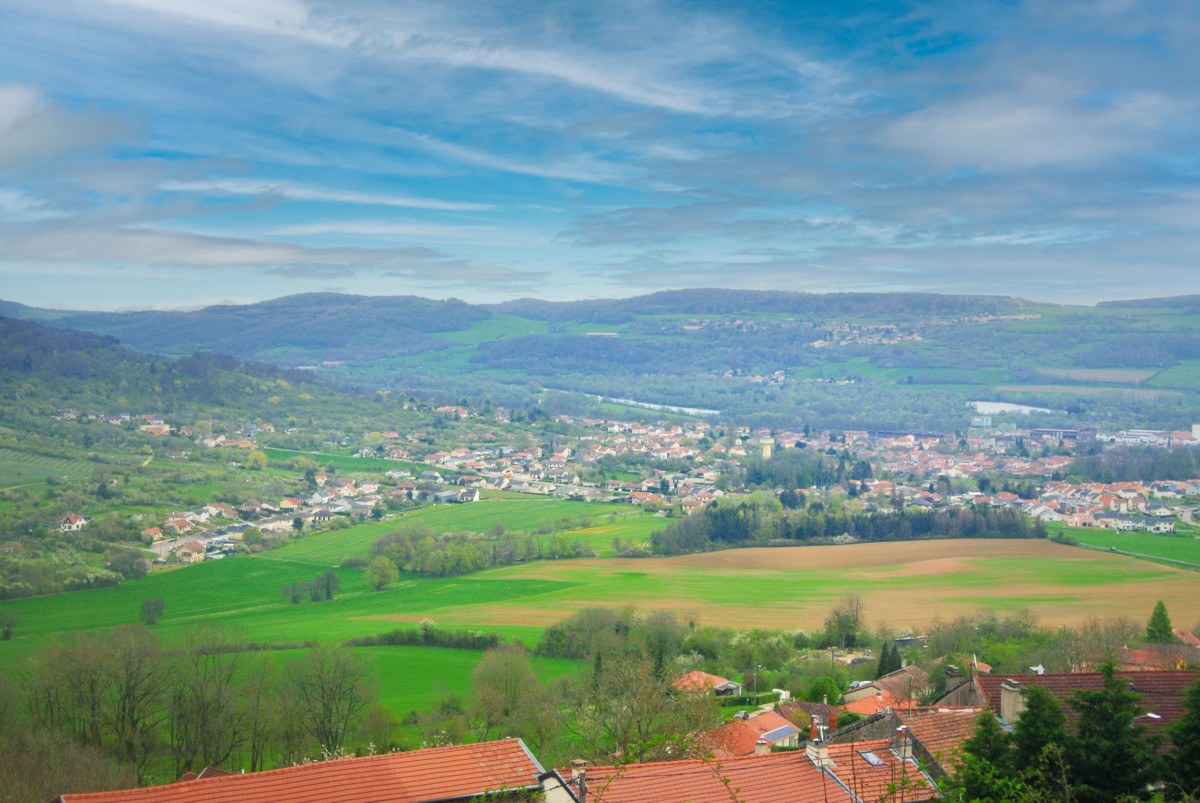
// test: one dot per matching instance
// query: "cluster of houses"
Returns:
(1146, 506)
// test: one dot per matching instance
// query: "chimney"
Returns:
(818, 754)
(902, 744)
(762, 747)
(813, 731)
(951, 672)
(833, 715)
(579, 777)
(1012, 701)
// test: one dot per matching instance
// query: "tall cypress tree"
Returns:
(1158, 629)
(889, 660)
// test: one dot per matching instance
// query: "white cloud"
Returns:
(145, 246)
(1045, 122)
(298, 192)
(32, 128)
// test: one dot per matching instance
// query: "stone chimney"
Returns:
(579, 777)
(1012, 701)
(818, 754)
(762, 747)
(902, 743)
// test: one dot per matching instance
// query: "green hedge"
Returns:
(749, 700)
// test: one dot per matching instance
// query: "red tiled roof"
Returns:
(872, 704)
(699, 681)
(870, 782)
(1162, 691)
(769, 778)
(738, 738)
(941, 730)
(421, 775)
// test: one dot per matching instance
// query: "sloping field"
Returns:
(908, 583)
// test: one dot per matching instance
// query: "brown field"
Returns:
(903, 584)
(1129, 376)
(1141, 393)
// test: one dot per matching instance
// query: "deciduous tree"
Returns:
(327, 688)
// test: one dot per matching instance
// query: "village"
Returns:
(671, 468)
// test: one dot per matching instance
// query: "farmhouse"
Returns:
(73, 522)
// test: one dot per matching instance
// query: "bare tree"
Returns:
(328, 687)
(68, 684)
(134, 708)
(207, 722)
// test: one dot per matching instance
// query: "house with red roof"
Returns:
(503, 769)
(192, 552)
(73, 522)
(697, 681)
(1162, 693)
(851, 773)
(742, 737)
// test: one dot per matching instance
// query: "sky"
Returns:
(180, 153)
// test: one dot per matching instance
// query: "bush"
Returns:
(430, 637)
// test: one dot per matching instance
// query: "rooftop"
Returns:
(439, 773)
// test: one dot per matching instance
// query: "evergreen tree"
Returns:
(1039, 732)
(990, 741)
(1158, 629)
(1111, 754)
(1185, 733)
(985, 769)
(889, 660)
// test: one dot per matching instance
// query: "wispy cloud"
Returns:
(296, 192)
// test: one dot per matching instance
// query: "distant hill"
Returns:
(293, 330)
(741, 302)
(1190, 303)
(43, 368)
(854, 360)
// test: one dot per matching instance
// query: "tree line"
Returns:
(138, 713)
(760, 519)
(416, 547)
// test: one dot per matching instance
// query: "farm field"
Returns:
(518, 516)
(19, 468)
(1170, 547)
(902, 584)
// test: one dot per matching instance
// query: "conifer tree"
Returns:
(1111, 755)
(1185, 733)
(1158, 629)
(1040, 730)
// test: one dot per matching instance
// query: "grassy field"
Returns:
(902, 584)
(1170, 547)
(517, 515)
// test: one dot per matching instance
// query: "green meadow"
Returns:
(1184, 548)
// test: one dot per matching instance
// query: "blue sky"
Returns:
(172, 153)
